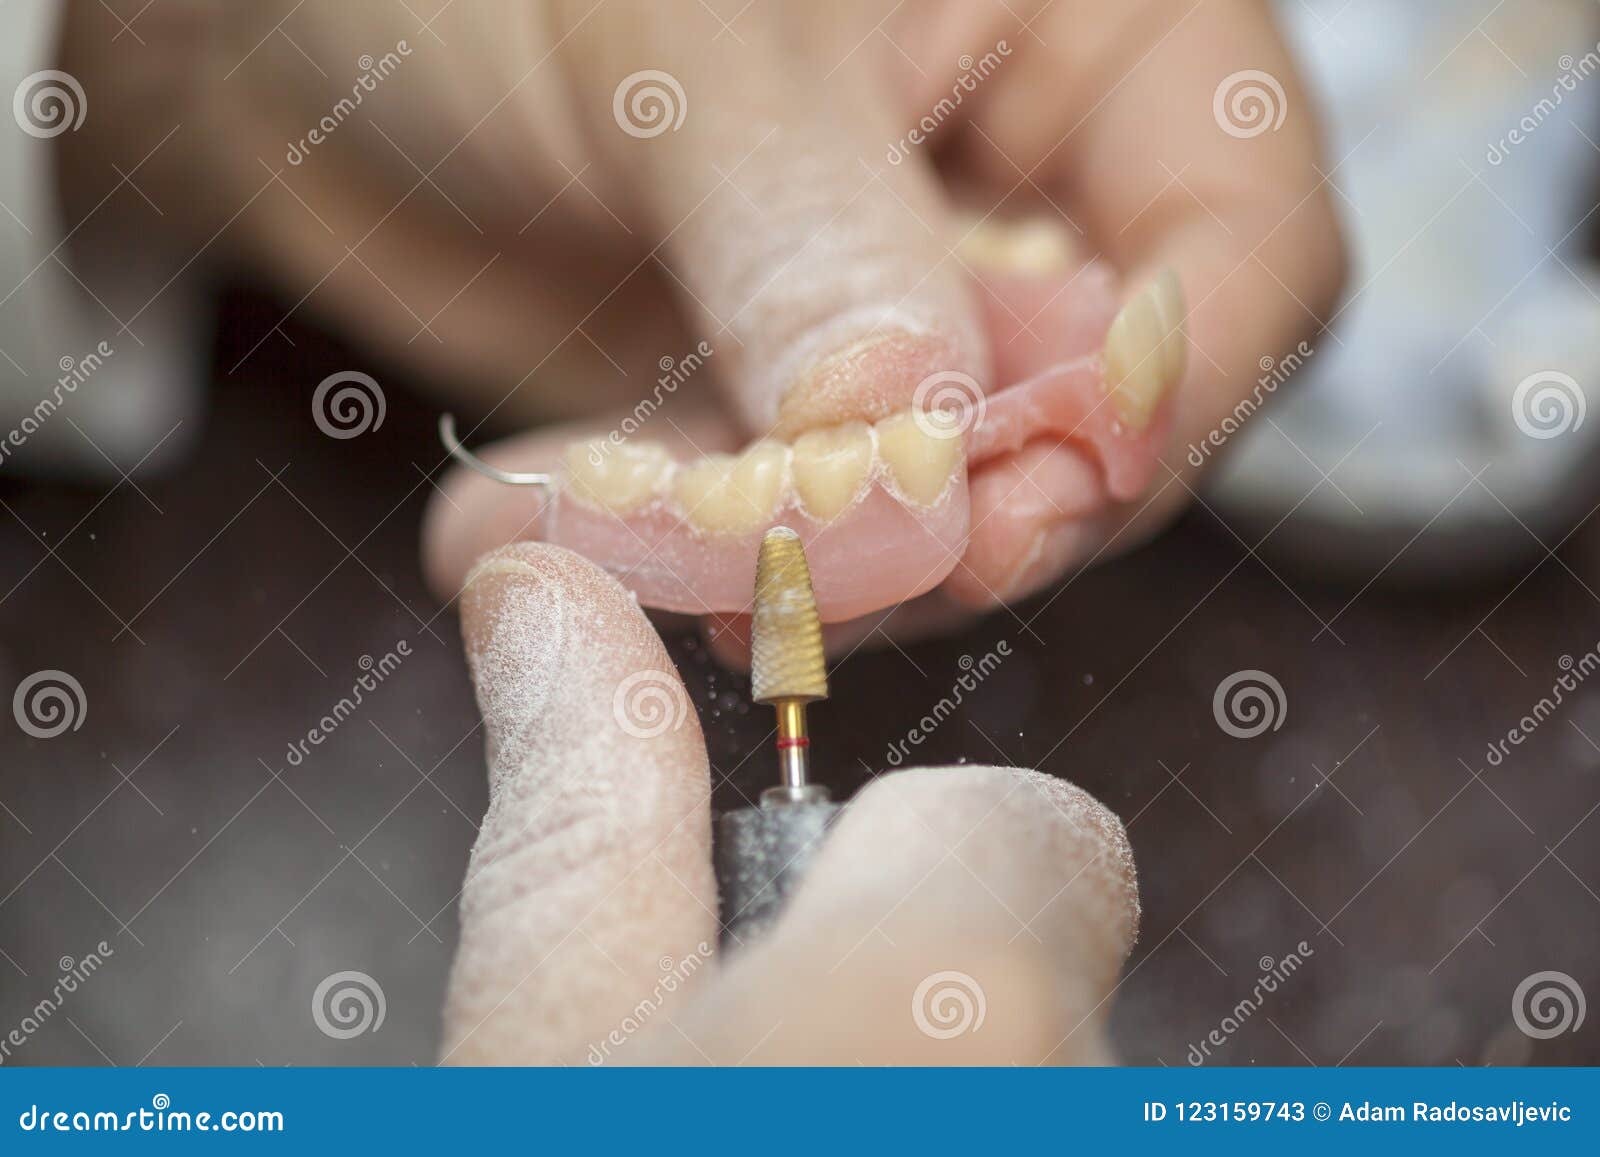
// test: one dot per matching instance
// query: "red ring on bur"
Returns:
(785, 744)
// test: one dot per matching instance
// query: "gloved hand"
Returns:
(959, 915)
(538, 203)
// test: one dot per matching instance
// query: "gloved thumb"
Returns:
(810, 237)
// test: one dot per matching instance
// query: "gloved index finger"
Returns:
(589, 904)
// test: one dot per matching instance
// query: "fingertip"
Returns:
(1036, 835)
(865, 368)
(536, 570)
(597, 812)
(560, 650)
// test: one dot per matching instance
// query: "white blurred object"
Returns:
(68, 407)
(1461, 138)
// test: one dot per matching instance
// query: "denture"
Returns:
(883, 509)
(1083, 371)
(887, 499)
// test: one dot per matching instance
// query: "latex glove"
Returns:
(954, 915)
(497, 213)
(793, 248)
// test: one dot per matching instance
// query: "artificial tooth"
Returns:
(734, 495)
(921, 458)
(831, 467)
(1175, 350)
(759, 478)
(694, 484)
(1146, 350)
(620, 476)
(1036, 246)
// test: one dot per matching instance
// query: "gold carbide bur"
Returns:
(762, 853)
(787, 665)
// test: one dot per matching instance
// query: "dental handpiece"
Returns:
(763, 851)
